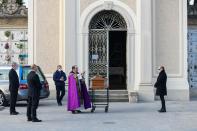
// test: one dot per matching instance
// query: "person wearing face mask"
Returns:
(59, 78)
(160, 86)
(34, 87)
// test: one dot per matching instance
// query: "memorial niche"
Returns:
(13, 40)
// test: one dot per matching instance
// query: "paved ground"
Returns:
(181, 116)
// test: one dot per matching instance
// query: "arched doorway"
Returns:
(107, 48)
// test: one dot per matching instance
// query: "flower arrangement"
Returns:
(7, 46)
(8, 58)
(22, 55)
(7, 34)
(21, 58)
(20, 46)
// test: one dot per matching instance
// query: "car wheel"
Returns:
(2, 99)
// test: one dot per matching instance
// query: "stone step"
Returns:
(111, 91)
(114, 98)
(111, 95)
(114, 95)
(111, 100)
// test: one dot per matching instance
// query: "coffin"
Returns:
(98, 82)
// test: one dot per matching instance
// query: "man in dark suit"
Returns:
(161, 89)
(34, 87)
(13, 87)
(59, 78)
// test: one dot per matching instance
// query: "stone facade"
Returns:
(167, 35)
(47, 35)
(157, 35)
(13, 22)
(85, 3)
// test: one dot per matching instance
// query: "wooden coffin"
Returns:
(98, 82)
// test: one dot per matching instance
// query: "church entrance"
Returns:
(107, 48)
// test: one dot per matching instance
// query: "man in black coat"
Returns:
(13, 87)
(34, 87)
(161, 89)
(59, 78)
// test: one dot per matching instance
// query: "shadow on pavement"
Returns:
(2, 108)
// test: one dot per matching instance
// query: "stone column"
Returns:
(62, 47)
(71, 33)
(130, 61)
(31, 31)
(84, 53)
(144, 32)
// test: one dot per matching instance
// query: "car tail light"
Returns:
(46, 85)
(23, 86)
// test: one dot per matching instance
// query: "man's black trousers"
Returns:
(13, 99)
(163, 102)
(60, 92)
(32, 107)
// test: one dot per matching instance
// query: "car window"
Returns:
(39, 72)
(4, 74)
(25, 72)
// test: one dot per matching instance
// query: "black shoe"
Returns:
(36, 120)
(59, 104)
(14, 113)
(29, 119)
(73, 112)
(162, 110)
(78, 111)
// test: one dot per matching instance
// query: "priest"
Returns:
(77, 92)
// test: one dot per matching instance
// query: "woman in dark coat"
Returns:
(160, 86)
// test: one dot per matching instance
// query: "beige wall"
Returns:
(47, 34)
(13, 22)
(85, 3)
(167, 43)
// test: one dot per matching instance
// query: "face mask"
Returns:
(59, 70)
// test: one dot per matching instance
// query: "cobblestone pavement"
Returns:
(180, 116)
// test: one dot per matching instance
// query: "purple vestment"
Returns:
(85, 95)
(73, 94)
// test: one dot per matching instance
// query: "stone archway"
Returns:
(130, 20)
(107, 48)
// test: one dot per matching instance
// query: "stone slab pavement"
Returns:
(180, 116)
